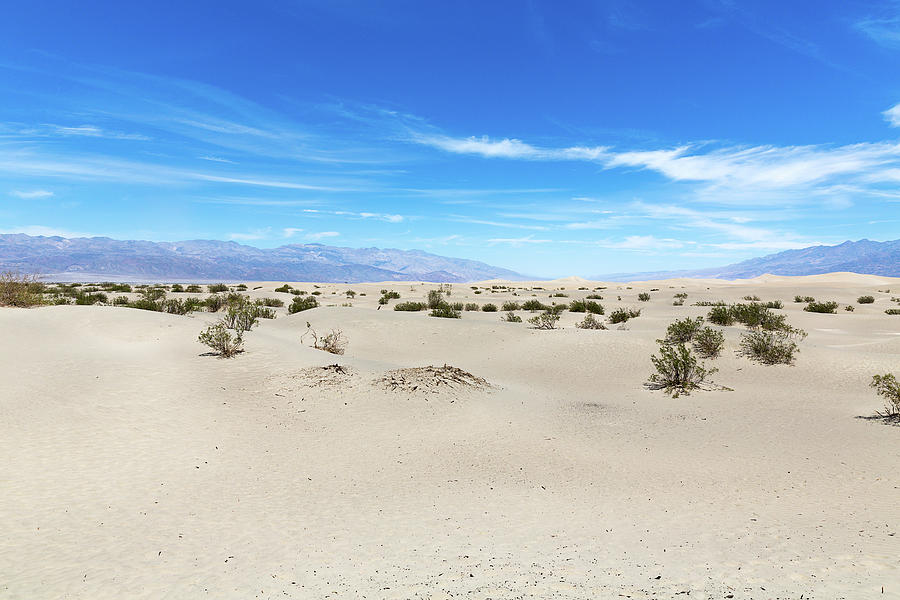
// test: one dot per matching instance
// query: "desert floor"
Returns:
(136, 466)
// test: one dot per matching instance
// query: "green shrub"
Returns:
(215, 288)
(559, 295)
(445, 311)
(681, 296)
(586, 306)
(176, 288)
(892, 311)
(774, 304)
(489, 307)
(286, 289)
(866, 299)
(677, 370)
(799, 299)
(594, 297)
(241, 287)
(221, 341)
(333, 342)
(457, 306)
(888, 387)
(435, 299)
(120, 301)
(301, 303)
(644, 297)
(264, 312)
(829, 307)
(214, 302)
(315, 293)
(533, 305)
(683, 330)
(622, 315)
(410, 306)
(276, 302)
(769, 347)
(472, 306)
(710, 303)
(709, 342)
(752, 298)
(546, 320)
(590, 322)
(194, 304)
(193, 289)
(87, 298)
(510, 306)
(176, 306)
(511, 317)
(20, 290)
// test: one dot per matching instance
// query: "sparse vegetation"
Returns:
(220, 339)
(770, 347)
(215, 288)
(829, 307)
(709, 342)
(410, 306)
(510, 306)
(20, 290)
(801, 299)
(534, 305)
(546, 320)
(334, 342)
(590, 322)
(301, 303)
(511, 317)
(622, 315)
(644, 297)
(489, 307)
(866, 299)
(586, 306)
(193, 289)
(892, 311)
(888, 388)
(445, 311)
(677, 370)
(752, 298)
(683, 330)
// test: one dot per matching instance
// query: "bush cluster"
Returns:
(829, 307)
(621, 315)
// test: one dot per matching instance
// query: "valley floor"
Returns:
(136, 466)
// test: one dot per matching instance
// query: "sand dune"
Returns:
(137, 467)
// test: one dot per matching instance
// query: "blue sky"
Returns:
(551, 138)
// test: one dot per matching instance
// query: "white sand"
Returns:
(135, 467)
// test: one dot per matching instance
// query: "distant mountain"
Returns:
(207, 260)
(865, 257)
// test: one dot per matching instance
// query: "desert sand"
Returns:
(136, 466)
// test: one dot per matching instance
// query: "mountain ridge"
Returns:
(214, 260)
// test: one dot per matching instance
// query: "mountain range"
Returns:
(864, 256)
(98, 258)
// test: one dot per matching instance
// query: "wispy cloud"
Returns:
(322, 235)
(31, 194)
(508, 148)
(892, 115)
(884, 31)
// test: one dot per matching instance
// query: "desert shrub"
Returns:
(221, 340)
(298, 292)
(799, 299)
(194, 304)
(546, 320)
(683, 330)
(60, 300)
(301, 303)
(892, 311)
(594, 297)
(621, 315)
(710, 303)
(586, 306)
(445, 311)
(214, 302)
(276, 302)
(681, 295)
(510, 306)
(176, 306)
(533, 305)
(644, 297)
(87, 298)
(849, 308)
(821, 307)
(435, 299)
(489, 307)
(708, 342)
(334, 341)
(677, 370)
(511, 317)
(263, 312)
(350, 294)
(770, 347)
(457, 306)
(410, 306)
(559, 295)
(20, 290)
(774, 304)
(390, 295)
(241, 287)
(471, 306)
(316, 293)
(193, 289)
(888, 388)
(590, 322)
(866, 299)
(678, 302)
(120, 301)
(752, 298)
(177, 288)
(215, 288)
(286, 289)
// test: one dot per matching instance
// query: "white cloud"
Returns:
(508, 148)
(322, 235)
(217, 159)
(46, 231)
(31, 194)
(290, 232)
